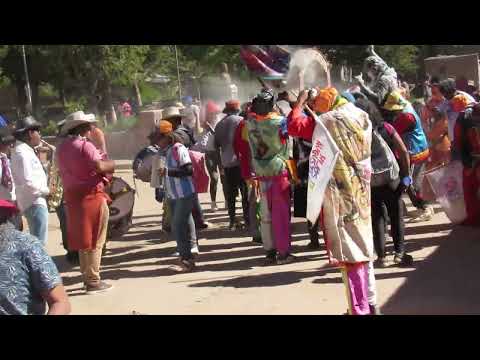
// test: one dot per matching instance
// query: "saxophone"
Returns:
(54, 181)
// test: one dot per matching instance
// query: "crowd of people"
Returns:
(261, 150)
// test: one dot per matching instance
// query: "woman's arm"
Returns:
(404, 157)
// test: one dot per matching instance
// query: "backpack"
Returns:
(385, 169)
(142, 164)
(200, 177)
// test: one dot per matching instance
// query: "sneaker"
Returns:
(98, 288)
(287, 259)
(403, 259)
(374, 310)
(214, 206)
(381, 263)
(195, 250)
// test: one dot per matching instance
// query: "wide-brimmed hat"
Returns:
(74, 120)
(27, 123)
(6, 136)
(171, 112)
(395, 102)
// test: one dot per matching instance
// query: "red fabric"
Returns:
(83, 210)
(7, 208)
(471, 182)
(471, 186)
(389, 129)
(213, 108)
(242, 151)
(300, 125)
(403, 123)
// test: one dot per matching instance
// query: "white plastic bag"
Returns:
(447, 184)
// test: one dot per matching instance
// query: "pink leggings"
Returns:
(275, 213)
(355, 278)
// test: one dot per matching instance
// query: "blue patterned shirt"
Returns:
(26, 271)
(178, 187)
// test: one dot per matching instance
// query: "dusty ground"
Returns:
(231, 280)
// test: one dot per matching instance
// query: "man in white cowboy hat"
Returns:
(30, 178)
(83, 174)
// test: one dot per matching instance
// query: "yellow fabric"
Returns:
(325, 100)
(395, 102)
(339, 102)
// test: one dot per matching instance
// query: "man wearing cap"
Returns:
(186, 137)
(30, 179)
(224, 139)
(177, 174)
(83, 174)
(29, 279)
(7, 185)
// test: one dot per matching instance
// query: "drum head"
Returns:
(123, 199)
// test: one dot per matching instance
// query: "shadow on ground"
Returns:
(444, 283)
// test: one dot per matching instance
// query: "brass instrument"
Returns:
(54, 181)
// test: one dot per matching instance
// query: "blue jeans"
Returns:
(37, 219)
(182, 222)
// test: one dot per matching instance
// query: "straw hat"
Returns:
(395, 102)
(170, 112)
(74, 120)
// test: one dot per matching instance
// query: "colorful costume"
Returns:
(467, 145)
(268, 146)
(346, 209)
(408, 125)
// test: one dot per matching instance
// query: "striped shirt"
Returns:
(178, 187)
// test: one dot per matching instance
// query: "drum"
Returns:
(121, 208)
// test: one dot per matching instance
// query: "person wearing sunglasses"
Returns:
(31, 188)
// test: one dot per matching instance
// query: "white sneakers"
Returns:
(194, 251)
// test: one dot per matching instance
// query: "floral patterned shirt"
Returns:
(26, 271)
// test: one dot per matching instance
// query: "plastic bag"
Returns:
(447, 184)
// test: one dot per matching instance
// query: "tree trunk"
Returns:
(35, 99)
(137, 93)
(108, 105)
(21, 96)
(63, 97)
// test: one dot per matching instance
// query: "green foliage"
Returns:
(48, 90)
(122, 124)
(51, 129)
(402, 57)
(76, 105)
